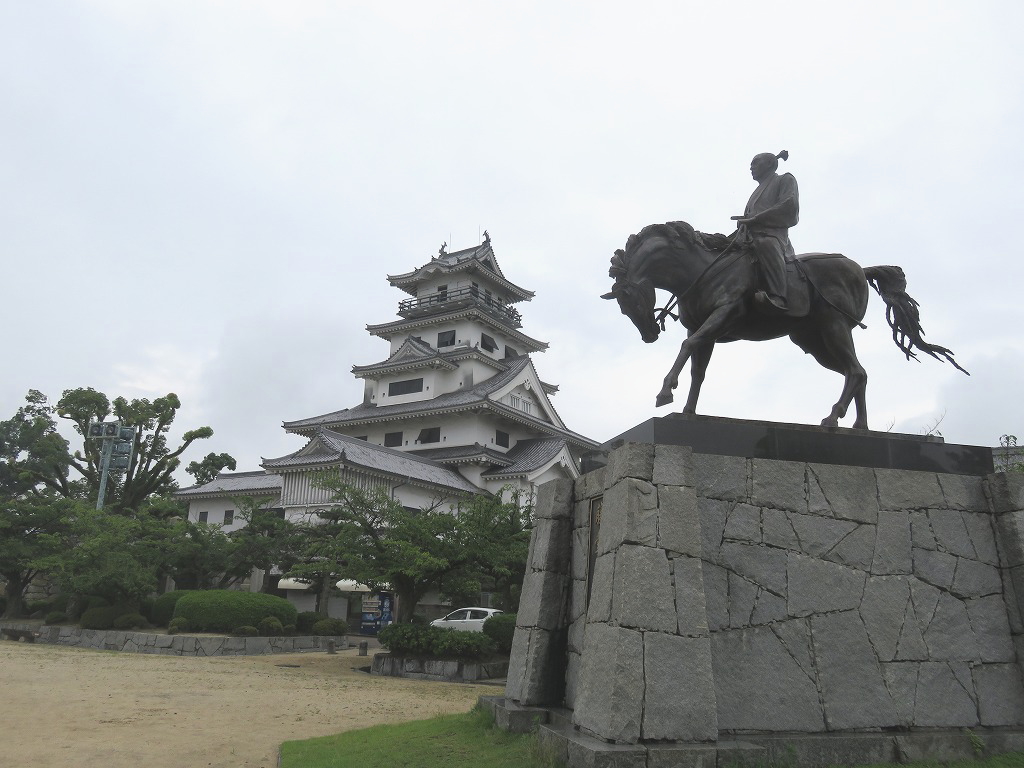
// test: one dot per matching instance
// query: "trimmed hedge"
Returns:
(435, 642)
(221, 610)
(55, 617)
(500, 628)
(271, 626)
(245, 632)
(178, 625)
(304, 622)
(131, 621)
(100, 618)
(330, 627)
(163, 607)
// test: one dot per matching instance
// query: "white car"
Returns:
(466, 619)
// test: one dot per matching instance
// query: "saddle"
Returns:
(799, 286)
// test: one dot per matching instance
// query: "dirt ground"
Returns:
(93, 709)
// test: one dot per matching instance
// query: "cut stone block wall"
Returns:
(733, 595)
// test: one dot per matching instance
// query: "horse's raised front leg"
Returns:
(712, 329)
(700, 356)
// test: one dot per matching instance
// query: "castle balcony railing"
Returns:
(460, 298)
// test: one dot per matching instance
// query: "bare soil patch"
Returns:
(102, 709)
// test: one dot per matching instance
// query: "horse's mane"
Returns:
(680, 237)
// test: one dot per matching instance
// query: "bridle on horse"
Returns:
(666, 311)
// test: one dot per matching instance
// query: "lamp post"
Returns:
(115, 452)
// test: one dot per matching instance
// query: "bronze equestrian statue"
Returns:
(731, 288)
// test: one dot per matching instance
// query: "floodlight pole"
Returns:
(104, 471)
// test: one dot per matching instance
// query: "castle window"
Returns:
(509, 352)
(442, 293)
(406, 387)
(204, 517)
(488, 343)
(392, 439)
(501, 438)
(445, 339)
(229, 516)
(430, 435)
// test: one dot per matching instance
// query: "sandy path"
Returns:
(93, 709)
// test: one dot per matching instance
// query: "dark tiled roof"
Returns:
(457, 453)
(386, 330)
(529, 455)
(479, 256)
(328, 447)
(463, 397)
(411, 353)
(234, 483)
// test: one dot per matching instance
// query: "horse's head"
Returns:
(636, 301)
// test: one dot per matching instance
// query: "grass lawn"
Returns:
(450, 741)
(470, 741)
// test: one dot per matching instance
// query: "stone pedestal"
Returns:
(680, 603)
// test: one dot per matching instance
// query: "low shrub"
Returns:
(163, 607)
(304, 621)
(146, 608)
(221, 610)
(131, 621)
(56, 617)
(177, 625)
(289, 629)
(500, 628)
(453, 644)
(271, 626)
(329, 627)
(99, 618)
(434, 642)
(245, 632)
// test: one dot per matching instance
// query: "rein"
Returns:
(666, 311)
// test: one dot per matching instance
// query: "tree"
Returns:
(213, 464)
(266, 540)
(495, 530)
(35, 458)
(30, 536)
(117, 557)
(382, 544)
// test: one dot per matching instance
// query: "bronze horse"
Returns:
(713, 281)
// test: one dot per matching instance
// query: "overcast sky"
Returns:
(206, 197)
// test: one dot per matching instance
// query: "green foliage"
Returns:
(213, 464)
(163, 606)
(500, 628)
(271, 626)
(305, 620)
(245, 631)
(100, 618)
(330, 627)
(435, 642)
(221, 610)
(131, 621)
(33, 533)
(178, 625)
(55, 617)
(114, 556)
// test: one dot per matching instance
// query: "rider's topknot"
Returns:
(784, 154)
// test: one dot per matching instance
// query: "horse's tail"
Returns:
(901, 312)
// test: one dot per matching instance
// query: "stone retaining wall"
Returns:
(174, 645)
(680, 597)
(443, 670)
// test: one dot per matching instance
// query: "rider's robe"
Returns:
(776, 204)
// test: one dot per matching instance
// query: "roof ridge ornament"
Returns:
(443, 250)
